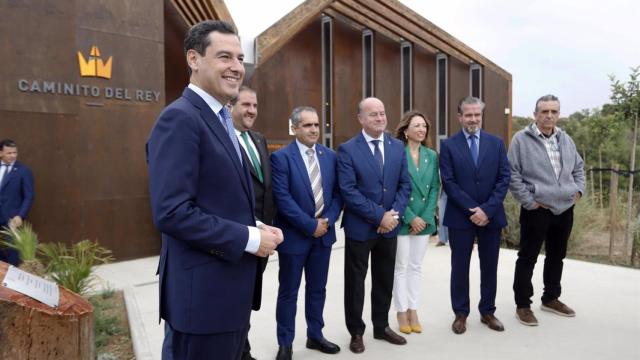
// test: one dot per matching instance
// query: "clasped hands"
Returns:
(390, 220)
(479, 217)
(270, 238)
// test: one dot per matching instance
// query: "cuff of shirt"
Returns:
(254, 240)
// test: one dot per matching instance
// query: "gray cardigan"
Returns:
(532, 176)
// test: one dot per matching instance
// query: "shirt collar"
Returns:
(303, 148)
(214, 104)
(466, 134)
(370, 138)
(539, 133)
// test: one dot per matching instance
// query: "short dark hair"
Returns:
(242, 88)
(8, 143)
(545, 98)
(198, 35)
(406, 121)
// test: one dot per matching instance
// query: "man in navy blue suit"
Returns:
(375, 186)
(16, 194)
(475, 175)
(202, 203)
(308, 203)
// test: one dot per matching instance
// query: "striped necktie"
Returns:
(316, 182)
(228, 124)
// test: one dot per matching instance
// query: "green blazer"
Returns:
(425, 186)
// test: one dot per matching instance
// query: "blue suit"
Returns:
(16, 197)
(293, 196)
(367, 194)
(202, 202)
(469, 186)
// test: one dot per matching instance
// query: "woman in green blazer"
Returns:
(418, 221)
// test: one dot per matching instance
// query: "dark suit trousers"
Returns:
(461, 243)
(316, 267)
(8, 254)
(182, 346)
(356, 262)
(537, 226)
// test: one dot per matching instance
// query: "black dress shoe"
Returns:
(390, 336)
(284, 353)
(323, 345)
(459, 325)
(356, 345)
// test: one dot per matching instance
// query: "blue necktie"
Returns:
(377, 154)
(224, 114)
(474, 149)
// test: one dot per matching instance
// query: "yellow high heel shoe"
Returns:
(414, 324)
(403, 323)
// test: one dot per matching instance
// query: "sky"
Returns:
(565, 48)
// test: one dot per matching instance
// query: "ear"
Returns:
(192, 59)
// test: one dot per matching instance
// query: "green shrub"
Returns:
(72, 266)
(23, 239)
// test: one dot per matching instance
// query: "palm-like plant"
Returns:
(72, 266)
(23, 239)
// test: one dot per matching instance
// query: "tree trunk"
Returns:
(613, 207)
(600, 176)
(31, 330)
(632, 167)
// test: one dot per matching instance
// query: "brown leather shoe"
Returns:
(390, 336)
(557, 307)
(459, 325)
(356, 345)
(492, 322)
(526, 317)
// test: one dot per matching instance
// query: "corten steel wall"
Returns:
(176, 74)
(458, 89)
(347, 81)
(291, 77)
(424, 87)
(88, 160)
(496, 92)
(386, 65)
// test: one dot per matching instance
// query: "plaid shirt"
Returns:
(552, 146)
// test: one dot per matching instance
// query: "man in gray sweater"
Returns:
(547, 178)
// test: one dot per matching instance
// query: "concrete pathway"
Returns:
(606, 300)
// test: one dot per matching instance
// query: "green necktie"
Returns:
(252, 155)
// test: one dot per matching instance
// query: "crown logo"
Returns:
(94, 67)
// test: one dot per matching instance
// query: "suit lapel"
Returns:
(215, 125)
(264, 156)
(368, 155)
(322, 161)
(9, 175)
(294, 152)
(482, 150)
(461, 140)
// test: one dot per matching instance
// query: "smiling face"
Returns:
(471, 118)
(417, 129)
(245, 111)
(372, 117)
(220, 70)
(546, 115)
(308, 129)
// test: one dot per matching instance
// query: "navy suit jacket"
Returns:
(202, 202)
(293, 196)
(468, 186)
(367, 193)
(16, 193)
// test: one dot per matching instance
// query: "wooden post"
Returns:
(31, 330)
(613, 206)
(600, 176)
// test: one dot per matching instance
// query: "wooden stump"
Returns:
(30, 329)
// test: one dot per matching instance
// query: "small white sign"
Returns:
(33, 286)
